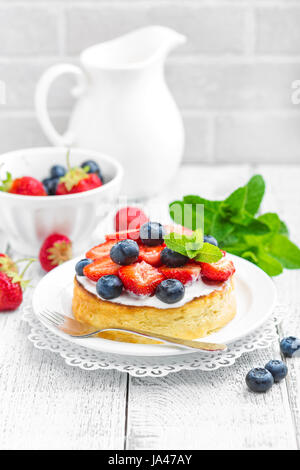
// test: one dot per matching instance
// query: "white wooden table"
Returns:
(46, 404)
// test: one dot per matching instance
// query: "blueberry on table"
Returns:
(93, 168)
(152, 234)
(259, 380)
(109, 287)
(82, 264)
(170, 291)
(50, 185)
(57, 171)
(289, 346)
(278, 369)
(125, 252)
(210, 239)
(172, 259)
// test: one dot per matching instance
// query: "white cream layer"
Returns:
(196, 289)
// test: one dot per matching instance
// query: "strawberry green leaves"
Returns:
(193, 247)
(7, 183)
(263, 240)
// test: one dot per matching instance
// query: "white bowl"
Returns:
(28, 220)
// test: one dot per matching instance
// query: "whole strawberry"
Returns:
(129, 218)
(11, 284)
(11, 294)
(55, 250)
(25, 186)
(77, 180)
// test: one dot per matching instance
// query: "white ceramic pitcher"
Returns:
(124, 107)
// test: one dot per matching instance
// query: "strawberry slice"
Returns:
(124, 235)
(151, 254)
(185, 274)
(101, 267)
(100, 251)
(219, 271)
(140, 278)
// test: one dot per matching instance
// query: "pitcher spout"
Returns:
(133, 50)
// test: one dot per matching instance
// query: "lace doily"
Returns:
(87, 359)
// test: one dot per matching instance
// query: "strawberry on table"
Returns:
(11, 286)
(11, 294)
(151, 254)
(129, 218)
(25, 186)
(77, 180)
(100, 251)
(140, 278)
(101, 267)
(188, 273)
(219, 271)
(55, 250)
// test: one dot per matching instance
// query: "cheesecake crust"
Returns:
(195, 319)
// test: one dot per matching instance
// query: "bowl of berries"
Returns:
(53, 189)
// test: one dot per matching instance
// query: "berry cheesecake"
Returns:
(135, 280)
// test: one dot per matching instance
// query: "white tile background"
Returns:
(232, 80)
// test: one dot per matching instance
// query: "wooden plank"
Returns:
(45, 404)
(198, 410)
(283, 196)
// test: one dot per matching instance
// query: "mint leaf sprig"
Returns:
(193, 247)
(263, 240)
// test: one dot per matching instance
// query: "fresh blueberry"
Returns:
(109, 287)
(259, 380)
(172, 259)
(170, 291)
(93, 168)
(50, 185)
(125, 252)
(81, 264)
(57, 171)
(152, 233)
(278, 369)
(210, 239)
(289, 346)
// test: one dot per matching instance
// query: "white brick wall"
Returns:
(232, 80)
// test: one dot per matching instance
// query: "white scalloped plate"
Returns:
(256, 298)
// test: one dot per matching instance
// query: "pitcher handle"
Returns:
(41, 97)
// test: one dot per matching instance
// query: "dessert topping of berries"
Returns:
(140, 278)
(55, 250)
(170, 291)
(125, 252)
(133, 234)
(25, 186)
(82, 264)
(172, 258)
(129, 218)
(109, 287)
(219, 271)
(186, 274)
(100, 267)
(151, 254)
(152, 234)
(101, 250)
(210, 239)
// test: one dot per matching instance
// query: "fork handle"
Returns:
(186, 343)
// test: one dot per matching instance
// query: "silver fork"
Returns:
(77, 329)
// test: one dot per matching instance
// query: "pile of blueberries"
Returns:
(262, 379)
(58, 171)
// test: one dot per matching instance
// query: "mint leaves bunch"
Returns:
(193, 247)
(263, 240)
